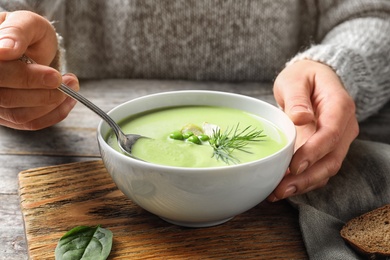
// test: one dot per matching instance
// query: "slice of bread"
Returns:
(369, 233)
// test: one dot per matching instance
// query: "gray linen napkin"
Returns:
(362, 184)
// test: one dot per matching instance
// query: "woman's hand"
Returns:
(29, 99)
(312, 95)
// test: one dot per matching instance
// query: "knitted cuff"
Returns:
(59, 62)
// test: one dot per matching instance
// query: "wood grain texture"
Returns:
(56, 199)
(12, 235)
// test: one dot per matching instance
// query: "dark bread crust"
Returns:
(369, 234)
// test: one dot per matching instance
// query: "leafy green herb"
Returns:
(84, 243)
(225, 143)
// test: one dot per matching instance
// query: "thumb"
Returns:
(294, 97)
(299, 109)
(26, 32)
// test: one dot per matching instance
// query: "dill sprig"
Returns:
(225, 143)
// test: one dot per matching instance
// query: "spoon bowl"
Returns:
(125, 141)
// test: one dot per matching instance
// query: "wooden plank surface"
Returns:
(58, 198)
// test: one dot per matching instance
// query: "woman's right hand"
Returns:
(29, 99)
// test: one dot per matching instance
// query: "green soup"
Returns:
(162, 149)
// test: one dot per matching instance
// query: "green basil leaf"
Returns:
(82, 243)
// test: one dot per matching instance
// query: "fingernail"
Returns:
(7, 43)
(289, 191)
(272, 198)
(73, 85)
(300, 109)
(51, 80)
(302, 167)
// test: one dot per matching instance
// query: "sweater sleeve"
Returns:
(358, 49)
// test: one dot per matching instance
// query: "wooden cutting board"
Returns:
(57, 198)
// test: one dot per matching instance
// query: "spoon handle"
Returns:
(75, 95)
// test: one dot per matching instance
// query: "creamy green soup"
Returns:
(163, 149)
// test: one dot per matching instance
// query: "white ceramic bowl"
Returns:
(197, 197)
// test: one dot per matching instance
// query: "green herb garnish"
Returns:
(84, 242)
(225, 143)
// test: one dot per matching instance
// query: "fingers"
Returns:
(318, 174)
(17, 74)
(40, 114)
(22, 115)
(52, 117)
(329, 132)
(55, 116)
(24, 31)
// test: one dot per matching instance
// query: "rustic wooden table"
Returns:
(74, 140)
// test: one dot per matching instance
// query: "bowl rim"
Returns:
(102, 141)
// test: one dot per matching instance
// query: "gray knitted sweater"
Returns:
(246, 40)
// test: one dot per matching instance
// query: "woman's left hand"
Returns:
(312, 95)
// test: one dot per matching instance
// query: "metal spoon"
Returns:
(125, 141)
